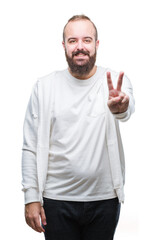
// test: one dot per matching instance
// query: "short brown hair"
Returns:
(80, 17)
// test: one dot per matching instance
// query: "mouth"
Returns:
(81, 57)
(80, 54)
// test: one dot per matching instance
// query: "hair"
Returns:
(80, 17)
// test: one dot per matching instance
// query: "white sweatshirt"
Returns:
(70, 139)
(79, 168)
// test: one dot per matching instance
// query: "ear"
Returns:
(97, 44)
(63, 44)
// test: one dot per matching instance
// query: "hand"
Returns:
(33, 213)
(118, 101)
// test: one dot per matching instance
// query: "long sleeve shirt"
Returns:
(72, 147)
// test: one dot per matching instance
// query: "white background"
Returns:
(30, 47)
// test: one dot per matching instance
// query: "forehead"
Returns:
(79, 28)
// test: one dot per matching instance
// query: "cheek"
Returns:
(70, 49)
(91, 49)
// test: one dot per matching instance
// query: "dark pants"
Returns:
(69, 220)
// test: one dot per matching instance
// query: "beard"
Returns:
(84, 67)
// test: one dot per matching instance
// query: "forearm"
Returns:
(29, 176)
(29, 149)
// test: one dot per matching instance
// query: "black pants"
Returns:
(69, 220)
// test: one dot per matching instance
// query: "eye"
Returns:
(71, 41)
(87, 40)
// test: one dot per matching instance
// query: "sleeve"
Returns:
(29, 149)
(128, 90)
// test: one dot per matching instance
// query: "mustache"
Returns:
(80, 51)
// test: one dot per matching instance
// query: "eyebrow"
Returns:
(89, 38)
(76, 38)
(71, 38)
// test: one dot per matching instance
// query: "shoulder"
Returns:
(47, 79)
(114, 74)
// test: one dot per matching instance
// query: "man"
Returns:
(73, 160)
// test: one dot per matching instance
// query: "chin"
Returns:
(81, 62)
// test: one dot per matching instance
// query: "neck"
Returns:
(84, 76)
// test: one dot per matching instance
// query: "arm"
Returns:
(33, 209)
(29, 166)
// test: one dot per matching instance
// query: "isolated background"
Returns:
(30, 47)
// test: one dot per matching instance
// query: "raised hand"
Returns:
(118, 101)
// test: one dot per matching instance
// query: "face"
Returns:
(80, 46)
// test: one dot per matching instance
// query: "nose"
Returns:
(79, 45)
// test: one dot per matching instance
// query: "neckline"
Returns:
(81, 82)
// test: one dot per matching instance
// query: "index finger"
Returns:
(109, 81)
(120, 79)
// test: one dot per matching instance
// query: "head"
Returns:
(80, 42)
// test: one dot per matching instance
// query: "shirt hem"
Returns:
(78, 199)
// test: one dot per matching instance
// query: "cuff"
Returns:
(121, 116)
(31, 195)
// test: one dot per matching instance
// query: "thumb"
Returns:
(43, 216)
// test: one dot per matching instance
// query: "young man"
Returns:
(73, 160)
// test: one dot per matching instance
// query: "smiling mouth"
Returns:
(80, 54)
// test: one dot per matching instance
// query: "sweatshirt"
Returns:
(58, 101)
